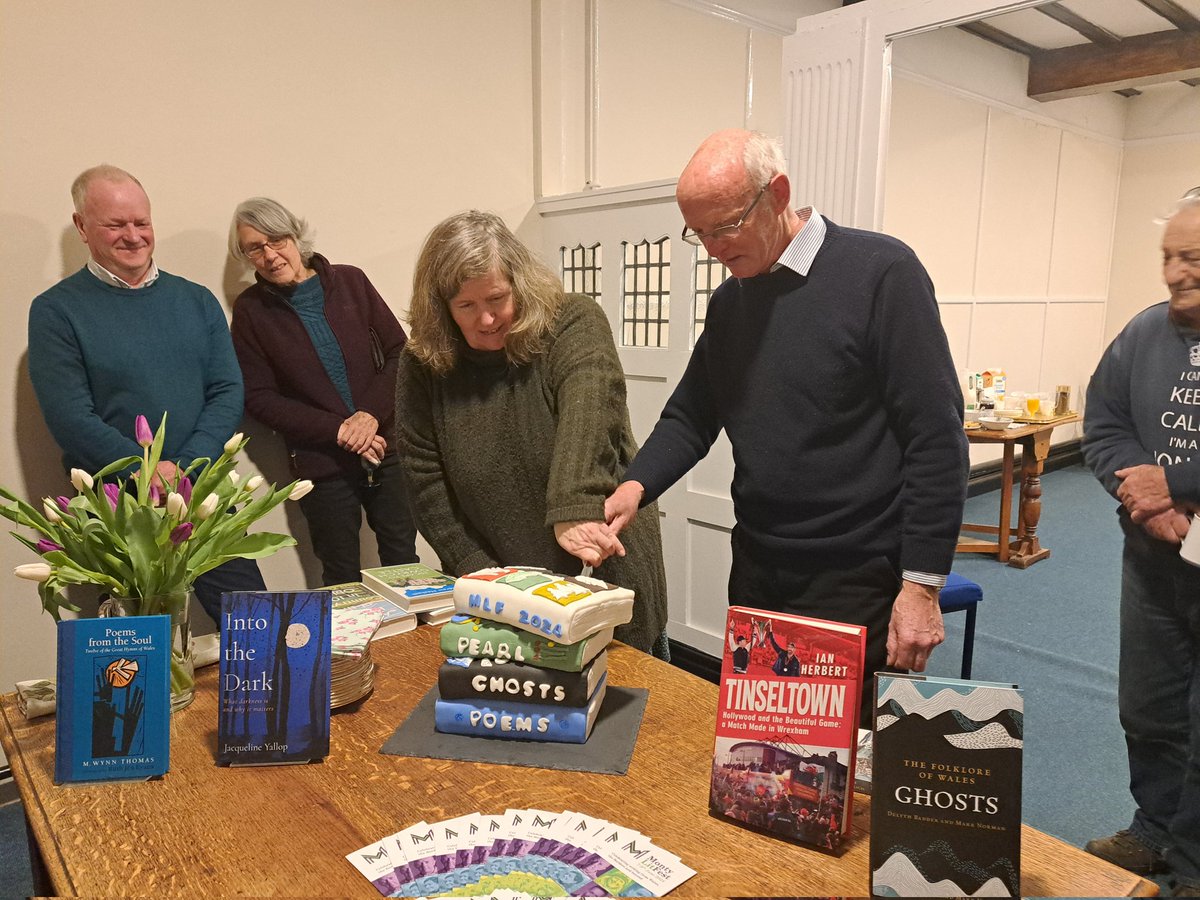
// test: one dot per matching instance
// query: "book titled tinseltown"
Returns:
(415, 586)
(787, 725)
(114, 699)
(354, 595)
(946, 779)
(274, 677)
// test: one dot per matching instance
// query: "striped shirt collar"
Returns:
(800, 253)
(116, 281)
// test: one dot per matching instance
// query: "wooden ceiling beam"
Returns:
(1090, 30)
(1173, 13)
(1001, 38)
(1133, 62)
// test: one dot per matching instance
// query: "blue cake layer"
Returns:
(519, 721)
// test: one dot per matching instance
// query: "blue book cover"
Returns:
(114, 699)
(274, 677)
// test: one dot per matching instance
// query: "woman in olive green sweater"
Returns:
(512, 421)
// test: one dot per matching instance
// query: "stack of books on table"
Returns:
(416, 588)
(354, 596)
(352, 671)
(526, 654)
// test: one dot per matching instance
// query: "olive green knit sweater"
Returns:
(496, 454)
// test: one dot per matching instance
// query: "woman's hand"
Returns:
(357, 432)
(591, 542)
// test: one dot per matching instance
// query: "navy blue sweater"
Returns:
(839, 396)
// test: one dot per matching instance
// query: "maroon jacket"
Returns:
(287, 388)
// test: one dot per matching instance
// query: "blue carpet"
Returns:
(16, 879)
(1053, 630)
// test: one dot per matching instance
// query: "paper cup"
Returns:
(1190, 549)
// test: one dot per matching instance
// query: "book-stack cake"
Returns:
(526, 656)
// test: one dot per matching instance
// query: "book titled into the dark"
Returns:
(114, 699)
(787, 725)
(274, 677)
(946, 798)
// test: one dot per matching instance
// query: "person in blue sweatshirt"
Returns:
(1140, 440)
(122, 338)
(824, 360)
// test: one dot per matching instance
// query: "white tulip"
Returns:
(176, 505)
(233, 443)
(234, 478)
(33, 571)
(253, 484)
(50, 508)
(300, 489)
(208, 507)
(80, 479)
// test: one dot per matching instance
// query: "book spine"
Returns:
(485, 680)
(64, 727)
(477, 638)
(518, 721)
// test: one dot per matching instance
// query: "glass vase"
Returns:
(174, 604)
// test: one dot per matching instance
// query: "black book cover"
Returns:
(946, 798)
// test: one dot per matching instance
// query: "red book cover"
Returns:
(787, 725)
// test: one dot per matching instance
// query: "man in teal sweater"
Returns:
(120, 338)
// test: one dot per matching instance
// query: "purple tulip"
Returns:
(185, 489)
(142, 432)
(156, 494)
(181, 533)
(64, 503)
(45, 546)
(112, 492)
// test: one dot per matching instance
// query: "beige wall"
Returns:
(1162, 161)
(1011, 204)
(627, 95)
(374, 123)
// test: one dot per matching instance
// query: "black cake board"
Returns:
(607, 751)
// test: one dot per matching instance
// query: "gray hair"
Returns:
(79, 187)
(274, 220)
(762, 158)
(466, 246)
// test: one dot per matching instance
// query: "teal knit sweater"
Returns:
(100, 355)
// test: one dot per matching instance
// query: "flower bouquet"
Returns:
(143, 541)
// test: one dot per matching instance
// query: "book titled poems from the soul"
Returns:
(787, 725)
(274, 677)
(114, 703)
(946, 799)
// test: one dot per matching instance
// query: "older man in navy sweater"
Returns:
(121, 338)
(824, 360)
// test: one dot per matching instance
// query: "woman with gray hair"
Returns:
(512, 420)
(318, 348)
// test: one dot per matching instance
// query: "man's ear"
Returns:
(77, 221)
(780, 189)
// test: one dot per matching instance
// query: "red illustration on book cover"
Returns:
(787, 725)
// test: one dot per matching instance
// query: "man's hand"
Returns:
(1170, 526)
(591, 542)
(622, 506)
(1144, 491)
(357, 432)
(916, 626)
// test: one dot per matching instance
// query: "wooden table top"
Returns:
(986, 435)
(205, 830)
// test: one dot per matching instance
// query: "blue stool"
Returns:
(962, 595)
